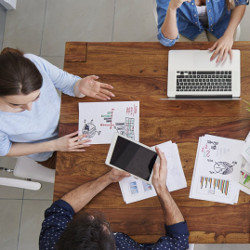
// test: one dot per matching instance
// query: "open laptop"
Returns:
(191, 75)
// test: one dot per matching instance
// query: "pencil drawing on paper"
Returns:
(100, 120)
(125, 127)
(223, 168)
(89, 129)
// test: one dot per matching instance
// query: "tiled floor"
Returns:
(42, 27)
(2, 24)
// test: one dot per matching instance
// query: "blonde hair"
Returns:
(230, 4)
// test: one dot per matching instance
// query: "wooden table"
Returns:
(138, 71)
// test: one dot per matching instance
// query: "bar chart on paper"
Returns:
(218, 187)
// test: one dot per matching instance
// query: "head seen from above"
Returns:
(89, 232)
(20, 81)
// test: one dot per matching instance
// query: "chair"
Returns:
(27, 169)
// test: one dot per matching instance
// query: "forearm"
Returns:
(76, 90)
(169, 27)
(236, 16)
(19, 149)
(172, 214)
(81, 196)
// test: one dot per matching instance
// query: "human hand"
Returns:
(90, 87)
(222, 47)
(175, 4)
(160, 173)
(116, 175)
(71, 142)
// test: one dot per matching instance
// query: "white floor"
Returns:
(42, 27)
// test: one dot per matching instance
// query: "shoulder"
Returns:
(33, 57)
(41, 63)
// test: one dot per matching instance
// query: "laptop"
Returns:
(191, 75)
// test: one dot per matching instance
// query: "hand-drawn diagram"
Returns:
(223, 168)
(125, 128)
(102, 119)
(217, 169)
(89, 129)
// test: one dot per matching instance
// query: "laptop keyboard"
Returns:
(204, 81)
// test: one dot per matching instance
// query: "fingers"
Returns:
(163, 160)
(103, 93)
(156, 171)
(94, 77)
(117, 175)
(213, 47)
(107, 93)
(77, 142)
(73, 134)
(230, 54)
(160, 169)
(214, 55)
(224, 56)
(106, 86)
(220, 56)
(221, 49)
(102, 97)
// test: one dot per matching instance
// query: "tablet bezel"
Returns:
(111, 149)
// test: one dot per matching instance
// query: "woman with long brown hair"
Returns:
(200, 20)
(30, 105)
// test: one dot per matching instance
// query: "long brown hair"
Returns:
(230, 4)
(18, 75)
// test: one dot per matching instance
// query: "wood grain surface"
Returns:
(138, 71)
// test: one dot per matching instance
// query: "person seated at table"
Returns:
(200, 20)
(89, 231)
(30, 105)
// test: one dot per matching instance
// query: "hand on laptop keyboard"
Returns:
(222, 48)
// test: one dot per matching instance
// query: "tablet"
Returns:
(131, 156)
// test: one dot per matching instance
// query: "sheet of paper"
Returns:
(134, 189)
(217, 169)
(99, 120)
(246, 149)
(244, 180)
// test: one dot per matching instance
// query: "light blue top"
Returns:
(41, 123)
(188, 22)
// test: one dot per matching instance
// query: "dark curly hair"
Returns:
(87, 232)
(18, 75)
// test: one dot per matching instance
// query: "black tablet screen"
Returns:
(133, 158)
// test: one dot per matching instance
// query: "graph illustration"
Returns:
(244, 179)
(209, 185)
(125, 128)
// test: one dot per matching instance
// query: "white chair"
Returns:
(27, 169)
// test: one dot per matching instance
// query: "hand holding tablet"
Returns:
(131, 156)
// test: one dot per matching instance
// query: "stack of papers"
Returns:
(217, 169)
(134, 189)
(244, 180)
